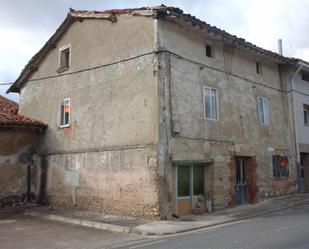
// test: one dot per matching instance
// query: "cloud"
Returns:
(27, 25)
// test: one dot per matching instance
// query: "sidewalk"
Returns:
(186, 223)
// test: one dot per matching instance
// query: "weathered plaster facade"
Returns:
(135, 83)
(106, 159)
(237, 132)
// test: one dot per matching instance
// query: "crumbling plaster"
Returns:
(238, 130)
(106, 159)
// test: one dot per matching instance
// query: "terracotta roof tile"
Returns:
(9, 115)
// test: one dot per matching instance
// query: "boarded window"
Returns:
(65, 112)
(280, 167)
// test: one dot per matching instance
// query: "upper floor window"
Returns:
(64, 58)
(209, 52)
(263, 107)
(306, 114)
(258, 67)
(280, 167)
(305, 76)
(65, 112)
(210, 103)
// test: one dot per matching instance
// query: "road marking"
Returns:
(148, 244)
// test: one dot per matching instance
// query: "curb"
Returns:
(85, 223)
(298, 204)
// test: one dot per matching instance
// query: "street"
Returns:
(285, 229)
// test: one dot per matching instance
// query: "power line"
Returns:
(6, 83)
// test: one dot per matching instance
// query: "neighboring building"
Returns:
(19, 137)
(151, 111)
(298, 76)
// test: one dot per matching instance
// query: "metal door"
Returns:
(241, 185)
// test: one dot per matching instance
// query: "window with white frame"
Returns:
(263, 107)
(210, 103)
(65, 112)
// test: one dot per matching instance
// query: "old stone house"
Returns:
(19, 138)
(151, 112)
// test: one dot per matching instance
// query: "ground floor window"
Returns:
(280, 167)
(190, 180)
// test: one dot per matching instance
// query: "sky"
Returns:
(27, 25)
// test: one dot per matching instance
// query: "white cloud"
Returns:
(25, 28)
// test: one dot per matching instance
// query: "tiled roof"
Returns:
(9, 116)
(158, 12)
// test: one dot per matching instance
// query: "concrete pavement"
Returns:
(186, 223)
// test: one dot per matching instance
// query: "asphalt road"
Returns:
(22, 232)
(288, 229)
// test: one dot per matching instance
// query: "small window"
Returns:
(208, 50)
(65, 113)
(64, 59)
(305, 76)
(280, 167)
(258, 68)
(306, 114)
(263, 107)
(210, 103)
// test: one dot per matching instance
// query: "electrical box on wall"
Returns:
(176, 127)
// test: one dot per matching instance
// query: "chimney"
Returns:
(280, 46)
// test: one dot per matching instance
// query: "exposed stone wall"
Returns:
(111, 181)
(15, 145)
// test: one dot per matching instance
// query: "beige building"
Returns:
(152, 112)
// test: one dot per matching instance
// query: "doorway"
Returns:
(190, 185)
(304, 172)
(241, 192)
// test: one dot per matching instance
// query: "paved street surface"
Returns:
(20, 232)
(287, 229)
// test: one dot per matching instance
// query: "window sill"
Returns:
(210, 119)
(64, 126)
(62, 69)
(281, 179)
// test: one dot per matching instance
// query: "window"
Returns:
(258, 68)
(210, 103)
(305, 76)
(280, 167)
(64, 59)
(208, 50)
(306, 114)
(190, 178)
(65, 113)
(263, 107)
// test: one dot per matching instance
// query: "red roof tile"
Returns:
(9, 115)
